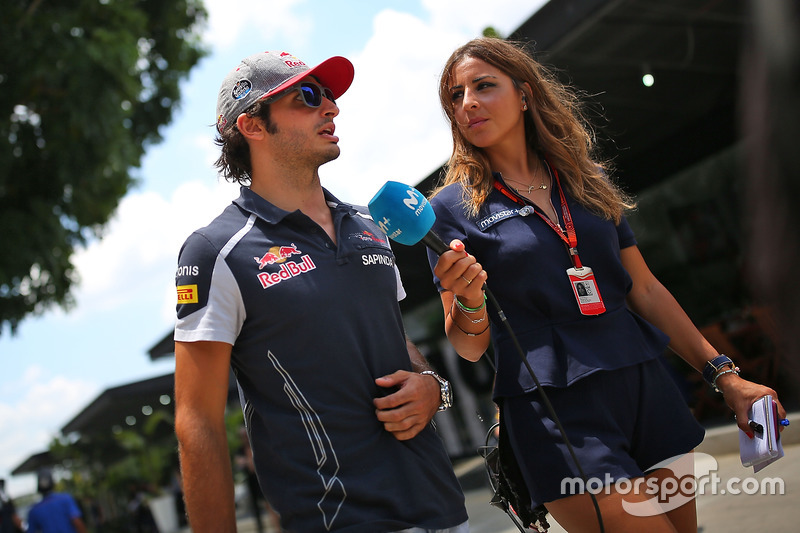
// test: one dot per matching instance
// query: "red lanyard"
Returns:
(570, 239)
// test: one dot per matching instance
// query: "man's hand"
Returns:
(407, 411)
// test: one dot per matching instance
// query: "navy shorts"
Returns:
(620, 424)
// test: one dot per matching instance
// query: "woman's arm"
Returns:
(651, 300)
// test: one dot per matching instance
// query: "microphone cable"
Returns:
(545, 400)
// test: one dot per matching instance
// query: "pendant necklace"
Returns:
(541, 186)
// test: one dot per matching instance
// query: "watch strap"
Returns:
(444, 388)
(712, 367)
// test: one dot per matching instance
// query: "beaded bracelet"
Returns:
(471, 309)
(734, 370)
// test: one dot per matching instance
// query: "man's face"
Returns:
(304, 134)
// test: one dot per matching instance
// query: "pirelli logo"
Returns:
(187, 294)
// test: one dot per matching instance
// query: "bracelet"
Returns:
(734, 370)
(470, 309)
(478, 321)
(467, 333)
(715, 365)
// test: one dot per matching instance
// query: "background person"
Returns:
(9, 519)
(524, 193)
(56, 512)
(298, 292)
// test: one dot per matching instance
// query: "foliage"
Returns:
(142, 456)
(490, 31)
(148, 461)
(85, 86)
(109, 467)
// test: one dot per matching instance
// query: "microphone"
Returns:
(405, 216)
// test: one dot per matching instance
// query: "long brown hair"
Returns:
(554, 126)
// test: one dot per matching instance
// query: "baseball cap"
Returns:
(267, 73)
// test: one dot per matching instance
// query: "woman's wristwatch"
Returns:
(717, 367)
(444, 386)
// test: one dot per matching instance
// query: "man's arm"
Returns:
(407, 411)
(201, 392)
(80, 527)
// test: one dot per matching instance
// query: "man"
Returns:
(9, 520)
(56, 512)
(297, 292)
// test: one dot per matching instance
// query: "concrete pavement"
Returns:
(719, 509)
(717, 513)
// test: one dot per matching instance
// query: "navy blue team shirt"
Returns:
(313, 324)
(526, 262)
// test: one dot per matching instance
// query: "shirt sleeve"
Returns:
(73, 509)
(625, 234)
(210, 305)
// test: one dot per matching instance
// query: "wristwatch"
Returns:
(444, 386)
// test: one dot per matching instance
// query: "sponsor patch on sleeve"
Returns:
(187, 294)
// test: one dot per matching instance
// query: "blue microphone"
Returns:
(405, 216)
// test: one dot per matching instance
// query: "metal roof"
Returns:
(602, 48)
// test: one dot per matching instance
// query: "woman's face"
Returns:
(488, 109)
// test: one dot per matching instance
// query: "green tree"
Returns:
(85, 86)
(490, 31)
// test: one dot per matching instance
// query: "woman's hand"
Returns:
(740, 395)
(460, 273)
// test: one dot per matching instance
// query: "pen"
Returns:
(756, 427)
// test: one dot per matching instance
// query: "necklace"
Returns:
(542, 185)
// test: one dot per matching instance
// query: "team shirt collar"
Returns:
(253, 203)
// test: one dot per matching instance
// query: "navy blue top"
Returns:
(313, 324)
(527, 262)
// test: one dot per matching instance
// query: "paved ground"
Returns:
(719, 510)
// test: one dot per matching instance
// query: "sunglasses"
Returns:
(311, 92)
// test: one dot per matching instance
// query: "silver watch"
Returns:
(444, 386)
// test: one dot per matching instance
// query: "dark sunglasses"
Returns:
(311, 92)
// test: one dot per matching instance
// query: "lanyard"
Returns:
(571, 238)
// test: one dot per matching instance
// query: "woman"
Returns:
(524, 194)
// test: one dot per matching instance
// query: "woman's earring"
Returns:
(525, 107)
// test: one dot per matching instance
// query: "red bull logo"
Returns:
(276, 255)
(291, 61)
(288, 270)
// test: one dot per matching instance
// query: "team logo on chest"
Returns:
(367, 236)
(279, 255)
